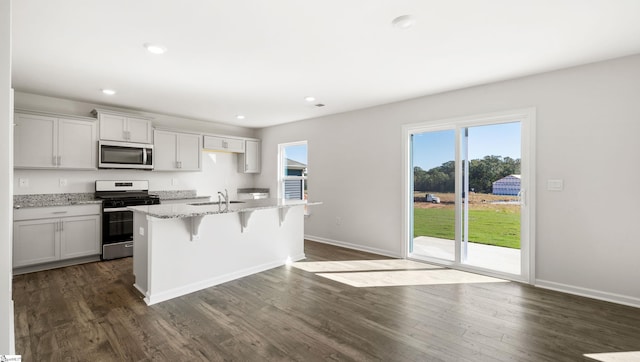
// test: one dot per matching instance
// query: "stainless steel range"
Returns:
(117, 221)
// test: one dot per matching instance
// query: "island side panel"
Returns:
(223, 252)
(140, 252)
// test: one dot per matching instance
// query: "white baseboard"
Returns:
(12, 335)
(589, 293)
(194, 287)
(353, 246)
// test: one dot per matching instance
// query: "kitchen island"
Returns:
(183, 248)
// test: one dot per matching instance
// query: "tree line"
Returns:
(482, 173)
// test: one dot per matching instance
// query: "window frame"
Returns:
(282, 168)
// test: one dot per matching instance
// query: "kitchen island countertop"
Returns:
(184, 210)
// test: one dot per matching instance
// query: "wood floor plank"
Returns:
(91, 312)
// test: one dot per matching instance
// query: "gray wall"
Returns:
(6, 178)
(587, 127)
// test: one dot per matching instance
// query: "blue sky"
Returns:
(432, 149)
(297, 153)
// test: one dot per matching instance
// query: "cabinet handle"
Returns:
(54, 160)
(59, 212)
(59, 160)
(61, 226)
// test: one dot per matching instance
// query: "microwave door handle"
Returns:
(144, 156)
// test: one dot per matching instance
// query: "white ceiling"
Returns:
(261, 58)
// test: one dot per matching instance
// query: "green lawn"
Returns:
(492, 227)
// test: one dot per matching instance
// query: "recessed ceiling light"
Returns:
(240, 116)
(108, 92)
(404, 22)
(309, 99)
(155, 49)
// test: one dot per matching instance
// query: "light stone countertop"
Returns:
(45, 200)
(177, 195)
(183, 210)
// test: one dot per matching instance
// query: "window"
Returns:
(292, 170)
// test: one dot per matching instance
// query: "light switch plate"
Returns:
(555, 185)
(141, 231)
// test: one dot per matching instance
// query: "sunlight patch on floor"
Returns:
(390, 272)
(360, 265)
(633, 356)
(408, 277)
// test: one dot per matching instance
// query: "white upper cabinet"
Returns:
(77, 144)
(50, 141)
(223, 143)
(249, 161)
(121, 127)
(176, 151)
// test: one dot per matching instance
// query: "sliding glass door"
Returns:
(467, 182)
(434, 221)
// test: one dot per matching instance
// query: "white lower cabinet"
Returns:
(35, 242)
(80, 236)
(50, 234)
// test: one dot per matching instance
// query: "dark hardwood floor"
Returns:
(91, 312)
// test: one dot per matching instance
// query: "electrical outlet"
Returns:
(555, 185)
(63, 182)
(23, 182)
(141, 231)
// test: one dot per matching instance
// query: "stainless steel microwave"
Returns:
(114, 154)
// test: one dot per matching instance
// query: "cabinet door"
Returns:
(112, 127)
(35, 241)
(77, 144)
(164, 151)
(235, 145)
(80, 236)
(189, 151)
(214, 143)
(138, 130)
(35, 141)
(250, 161)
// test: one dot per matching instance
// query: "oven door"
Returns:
(117, 225)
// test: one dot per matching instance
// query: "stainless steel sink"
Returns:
(214, 203)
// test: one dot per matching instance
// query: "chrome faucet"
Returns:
(224, 196)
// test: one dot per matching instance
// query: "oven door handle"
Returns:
(115, 209)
